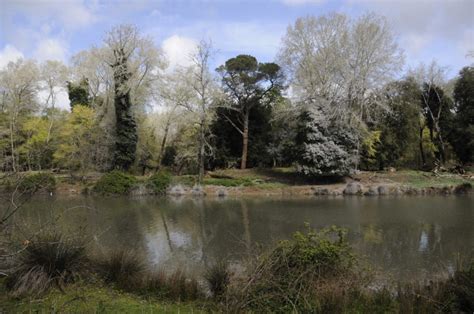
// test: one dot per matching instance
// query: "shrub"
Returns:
(115, 182)
(37, 182)
(49, 260)
(160, 181)
(313, 272)
(218, 278)
(123, 268)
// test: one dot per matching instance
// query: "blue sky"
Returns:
(57, 29)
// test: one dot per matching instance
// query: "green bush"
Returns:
(313, 272)
(115, 182)
(160, 181)
(37, 182)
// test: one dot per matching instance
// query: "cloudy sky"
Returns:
(57, 29)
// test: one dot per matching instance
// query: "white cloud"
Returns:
(467, 43)
(178, 50)
(62, 98)
(414, 43)
(50, 49)
(9, 53)
(302, 2)
(427, 29)
(72, 14)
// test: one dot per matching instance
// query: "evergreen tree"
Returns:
(463, 135)
(79, 93)
(325, 147)
(437, 108)
(248, 84)
(399, 128)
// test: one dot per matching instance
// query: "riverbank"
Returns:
(275, 182)
(286, 182)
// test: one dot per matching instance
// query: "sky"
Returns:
(441, 30)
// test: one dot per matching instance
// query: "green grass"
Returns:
(420, 179)
(81, 298)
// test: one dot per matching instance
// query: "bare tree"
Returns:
(340, 62)
(53, 75)
(203, 101)
(19, 83)
(431, 80)
(135, 62)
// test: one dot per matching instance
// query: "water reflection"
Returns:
(409, 237)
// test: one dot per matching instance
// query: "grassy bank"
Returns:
(91, 298)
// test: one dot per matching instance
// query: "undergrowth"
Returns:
(115, 183)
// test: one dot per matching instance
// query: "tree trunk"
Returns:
(12, 145)
(163, 143)
(201, 153)
(245, 141)
(422, 152)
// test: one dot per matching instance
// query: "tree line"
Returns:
(334, 101)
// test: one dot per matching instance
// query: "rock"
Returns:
(321, 191)
(353, 188)
(447, 190)
(411, 191)
(383, 190)
(141, 190)
(396, 191)
(176, 190)
(198, 191)
(222, 192)
(372, 192)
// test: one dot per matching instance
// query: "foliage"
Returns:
(399, 128)
(228, 145)
(341, 63)
(42, 181)
(324, 147)
(79, 93)
(248, 83)
(37, 150)
(169, 156)
(462, 138)
(115, 182)
(49, 260)
(160, 181)
(78, 136)
(297, 275)
(126, 127)
(369, 148)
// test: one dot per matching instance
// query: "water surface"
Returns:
(405, 238)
